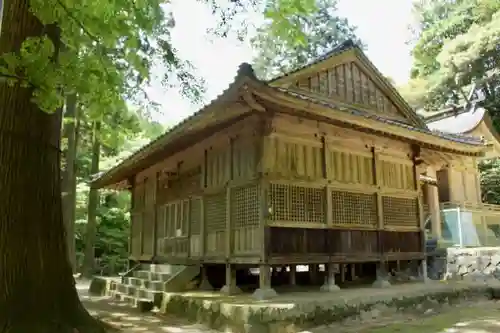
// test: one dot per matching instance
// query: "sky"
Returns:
(217, 60)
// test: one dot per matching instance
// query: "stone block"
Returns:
(264, 293)
(495, 260)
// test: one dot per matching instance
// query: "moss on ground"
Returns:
(244, 318)
(480, 318)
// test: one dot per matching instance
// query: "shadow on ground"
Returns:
(128, 320)
(477, 317)
(482, 317)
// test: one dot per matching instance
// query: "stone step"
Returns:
(126, 289)
(142, 304)
(152, 295)
(133, 281)
(154, 285)
(139, 293)
(147, 284)
(153, 276)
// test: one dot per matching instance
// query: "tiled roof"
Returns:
(463, 118)
(448, 136)
(244, 71)
(457, 122)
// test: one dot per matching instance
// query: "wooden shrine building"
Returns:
(319, 166)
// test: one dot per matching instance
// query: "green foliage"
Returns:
(105, 50)
(490, 181)
(320, 32)
(113, 218)
(457, 45)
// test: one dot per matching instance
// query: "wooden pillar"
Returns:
(264, 166)
(154, 212)
(378, 182)
(202, 205)
(293, 275)
(131, 182)
(313, 272)
(228, 238)
(265, 291)
(230, 287)
(205, 283)
(421, 218)
(477, 182)
(330, 285)
(433, 204)
(229, 171)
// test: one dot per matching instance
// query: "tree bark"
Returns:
(37, 292)
(69, 178)
(93, 202)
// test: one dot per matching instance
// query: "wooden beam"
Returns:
(377, 179)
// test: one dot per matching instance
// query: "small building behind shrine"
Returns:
(456, 187)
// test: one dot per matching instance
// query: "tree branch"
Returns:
(88, 33)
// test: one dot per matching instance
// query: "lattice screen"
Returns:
(400, 211)
(215, 212)
(350, 208)
(296, 203)
(245, 206)
(195, 216)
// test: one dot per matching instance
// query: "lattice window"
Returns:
(354, 208)
(400, 211)
(296, 204)
(215, 212)
(195, 209)
(245, 206)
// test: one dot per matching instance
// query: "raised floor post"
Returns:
(313, 272)
(382, 280)
(293, 275)
(330, 285)
(265, 291)
(230, 288)
(205, 284)
(423, 270)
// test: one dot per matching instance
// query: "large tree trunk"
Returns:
(93, 202)
(37, 291)
(69, 177)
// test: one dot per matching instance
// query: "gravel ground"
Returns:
(477, 317)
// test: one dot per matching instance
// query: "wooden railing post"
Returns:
(327, 175)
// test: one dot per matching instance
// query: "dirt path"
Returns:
(128, 320)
